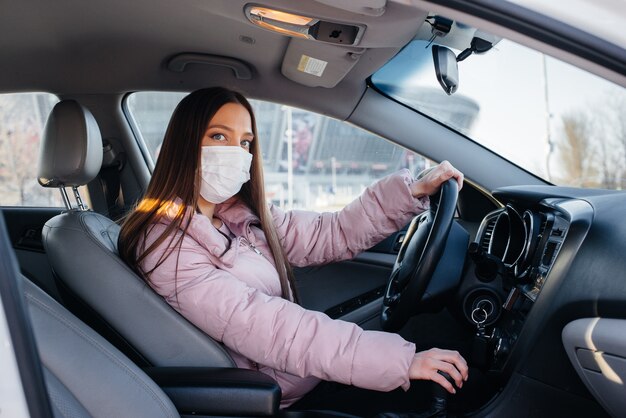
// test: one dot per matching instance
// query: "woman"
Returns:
(204, 238)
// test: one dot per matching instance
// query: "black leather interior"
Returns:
(86, 376)
(71, 147)
(218, 391)
(82, 247)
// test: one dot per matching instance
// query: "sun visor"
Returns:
(316, 64)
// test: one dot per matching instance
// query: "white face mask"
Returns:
(224, 170)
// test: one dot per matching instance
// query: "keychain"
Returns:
(481, 339)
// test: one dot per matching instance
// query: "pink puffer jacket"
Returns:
(232, 292)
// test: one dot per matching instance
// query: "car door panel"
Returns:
(24, 225)
(351, 290)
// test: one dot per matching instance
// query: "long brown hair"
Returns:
(176, 175)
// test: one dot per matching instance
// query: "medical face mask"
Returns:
(224, 170)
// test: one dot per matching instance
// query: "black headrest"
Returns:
(71, 147)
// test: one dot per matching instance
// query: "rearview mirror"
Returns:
(446, 68)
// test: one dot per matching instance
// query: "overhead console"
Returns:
(328, 38)
(305, 27)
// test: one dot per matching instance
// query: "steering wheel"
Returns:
(418, 257)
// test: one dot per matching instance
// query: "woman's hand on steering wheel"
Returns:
(427, 364)
(429, 181)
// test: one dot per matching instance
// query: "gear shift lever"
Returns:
(438, 406)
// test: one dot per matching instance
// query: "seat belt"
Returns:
(110, 181)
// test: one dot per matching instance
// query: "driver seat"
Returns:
(94, 281)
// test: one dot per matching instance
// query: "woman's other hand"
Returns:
(430, 180)
(426, 364)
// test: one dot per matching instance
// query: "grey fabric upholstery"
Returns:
(82, 248)
(85, 375)
(71, 147)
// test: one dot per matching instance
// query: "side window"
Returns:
(331, 161)
(152, 112)
(22, 118)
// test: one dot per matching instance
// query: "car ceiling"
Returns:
(73, 47)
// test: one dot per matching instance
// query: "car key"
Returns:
(481, 339)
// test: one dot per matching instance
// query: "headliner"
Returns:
(70, 47)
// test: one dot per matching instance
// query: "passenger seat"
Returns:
(84, 374)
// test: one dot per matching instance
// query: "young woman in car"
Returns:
(206, 240)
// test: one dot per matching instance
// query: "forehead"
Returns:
(232, 115)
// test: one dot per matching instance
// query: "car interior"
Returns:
(522, 273)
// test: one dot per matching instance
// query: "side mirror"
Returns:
(446, 68)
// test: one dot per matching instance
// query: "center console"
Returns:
(514, 254)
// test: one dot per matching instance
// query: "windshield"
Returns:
(561, 123)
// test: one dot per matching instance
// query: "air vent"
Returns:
(542, 228)
(557, 232)
(486, 239)
(548, 254)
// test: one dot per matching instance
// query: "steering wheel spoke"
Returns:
(418, 257)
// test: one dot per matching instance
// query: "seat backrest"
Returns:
(82, 250)
(85, 375)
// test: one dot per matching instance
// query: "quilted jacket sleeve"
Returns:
(275, 332)
(311, 238)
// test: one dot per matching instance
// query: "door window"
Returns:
(22, 119)
(311, 161)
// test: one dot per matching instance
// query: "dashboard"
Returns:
(526, 243)
(515, 251)
(548, 257)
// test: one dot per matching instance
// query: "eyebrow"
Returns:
(228, 128)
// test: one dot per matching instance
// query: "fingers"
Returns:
(431, 179)
(437, 378)
(454, 373)
(459, 179)
(454, 358)
(447, 171)
(426, 365)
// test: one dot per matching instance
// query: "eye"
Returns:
(246, 143)
(218, 137)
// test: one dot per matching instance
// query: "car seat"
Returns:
(68, 370)
(82, 250)
(85, 376)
